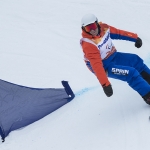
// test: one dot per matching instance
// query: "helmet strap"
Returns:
(99, 28)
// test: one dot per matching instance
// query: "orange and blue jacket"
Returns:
(98, 48)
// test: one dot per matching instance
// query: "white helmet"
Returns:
(88, 19)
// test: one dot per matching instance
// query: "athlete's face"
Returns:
(94, 32)
(92, 29)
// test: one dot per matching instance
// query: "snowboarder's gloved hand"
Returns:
(108, 90)
(138, 43)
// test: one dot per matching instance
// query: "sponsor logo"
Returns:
(106, 39)
(120, 71)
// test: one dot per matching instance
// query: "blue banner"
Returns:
(21, 106)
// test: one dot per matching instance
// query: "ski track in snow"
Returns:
(85, 90)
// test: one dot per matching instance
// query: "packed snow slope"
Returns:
(39, 47)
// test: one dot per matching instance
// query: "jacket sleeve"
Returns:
(122, 35)
(93, 55)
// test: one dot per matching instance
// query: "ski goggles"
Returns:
(90, 27)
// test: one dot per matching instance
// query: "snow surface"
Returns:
(39, 47)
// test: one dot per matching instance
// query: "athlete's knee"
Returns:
(132, 74)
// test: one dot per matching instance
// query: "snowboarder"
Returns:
(102, 58)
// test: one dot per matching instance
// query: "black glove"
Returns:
(108, 90)
(138, 43)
